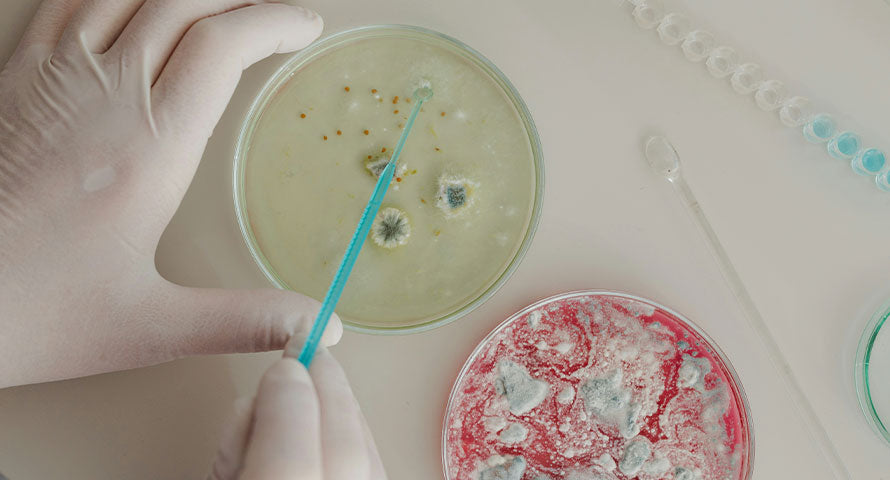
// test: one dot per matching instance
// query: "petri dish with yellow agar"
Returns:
(461, 211)
(872, 372)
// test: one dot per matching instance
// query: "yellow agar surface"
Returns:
(306, 184)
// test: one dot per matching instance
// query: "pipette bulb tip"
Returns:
(662, 157)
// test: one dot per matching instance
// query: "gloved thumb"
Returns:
(208, 321)
(277, 435)
(230, 454)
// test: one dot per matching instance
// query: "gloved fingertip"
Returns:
(309, 19)
(331, 336)
(286, 370)
(311, 15)
(333, 333)
(309, 25)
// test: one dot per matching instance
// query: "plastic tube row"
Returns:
(769, 95)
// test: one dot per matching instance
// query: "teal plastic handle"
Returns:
(358, 238)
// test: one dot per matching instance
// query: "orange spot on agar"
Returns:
(370, 157)
(366, 132)
(302, 115)
(373, 90)
(395, 111)
(398, 179)
(443, 114)
(422, 201)
(383, 150)
(346, 88)
(339, 132)
(438, 149)
(325, 137)
(395, 99)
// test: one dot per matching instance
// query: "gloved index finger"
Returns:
(201, 74)
(49, 22)
(97, 24)
(159, 26)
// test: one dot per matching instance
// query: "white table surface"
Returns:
(807, 235)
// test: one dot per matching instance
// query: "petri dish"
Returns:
(872, 372)
(601, 385)
(469, 185)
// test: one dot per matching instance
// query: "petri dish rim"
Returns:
(860, 371)
(737, 387)
(320, 47)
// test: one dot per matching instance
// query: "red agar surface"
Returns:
(689, 410)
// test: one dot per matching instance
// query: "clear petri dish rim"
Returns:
(861, 371)
(737, 387)
(329, 43)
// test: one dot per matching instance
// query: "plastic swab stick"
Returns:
(421, 95)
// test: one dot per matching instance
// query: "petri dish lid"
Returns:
(872, 372)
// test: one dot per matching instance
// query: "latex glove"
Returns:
(302, 425)
(105, 110)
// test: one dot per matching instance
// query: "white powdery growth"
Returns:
(515, 433)
(591, 475)
(607, 462)
(562, 347)
(692, 373)
(566, 395)
(495, 424)
(523, 392)
(534, 319)
(657, 466)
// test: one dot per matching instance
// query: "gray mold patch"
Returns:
(510, 470)
(636, 452)
(682, 473)
(606, 400)
(523, 392)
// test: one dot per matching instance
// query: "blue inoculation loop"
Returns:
(868, 162)
(820, 129)
(844, 146)
(421, 95)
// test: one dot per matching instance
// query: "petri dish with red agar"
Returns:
(597, 386)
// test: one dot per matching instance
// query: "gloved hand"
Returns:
(304, 425)
(105, 109)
